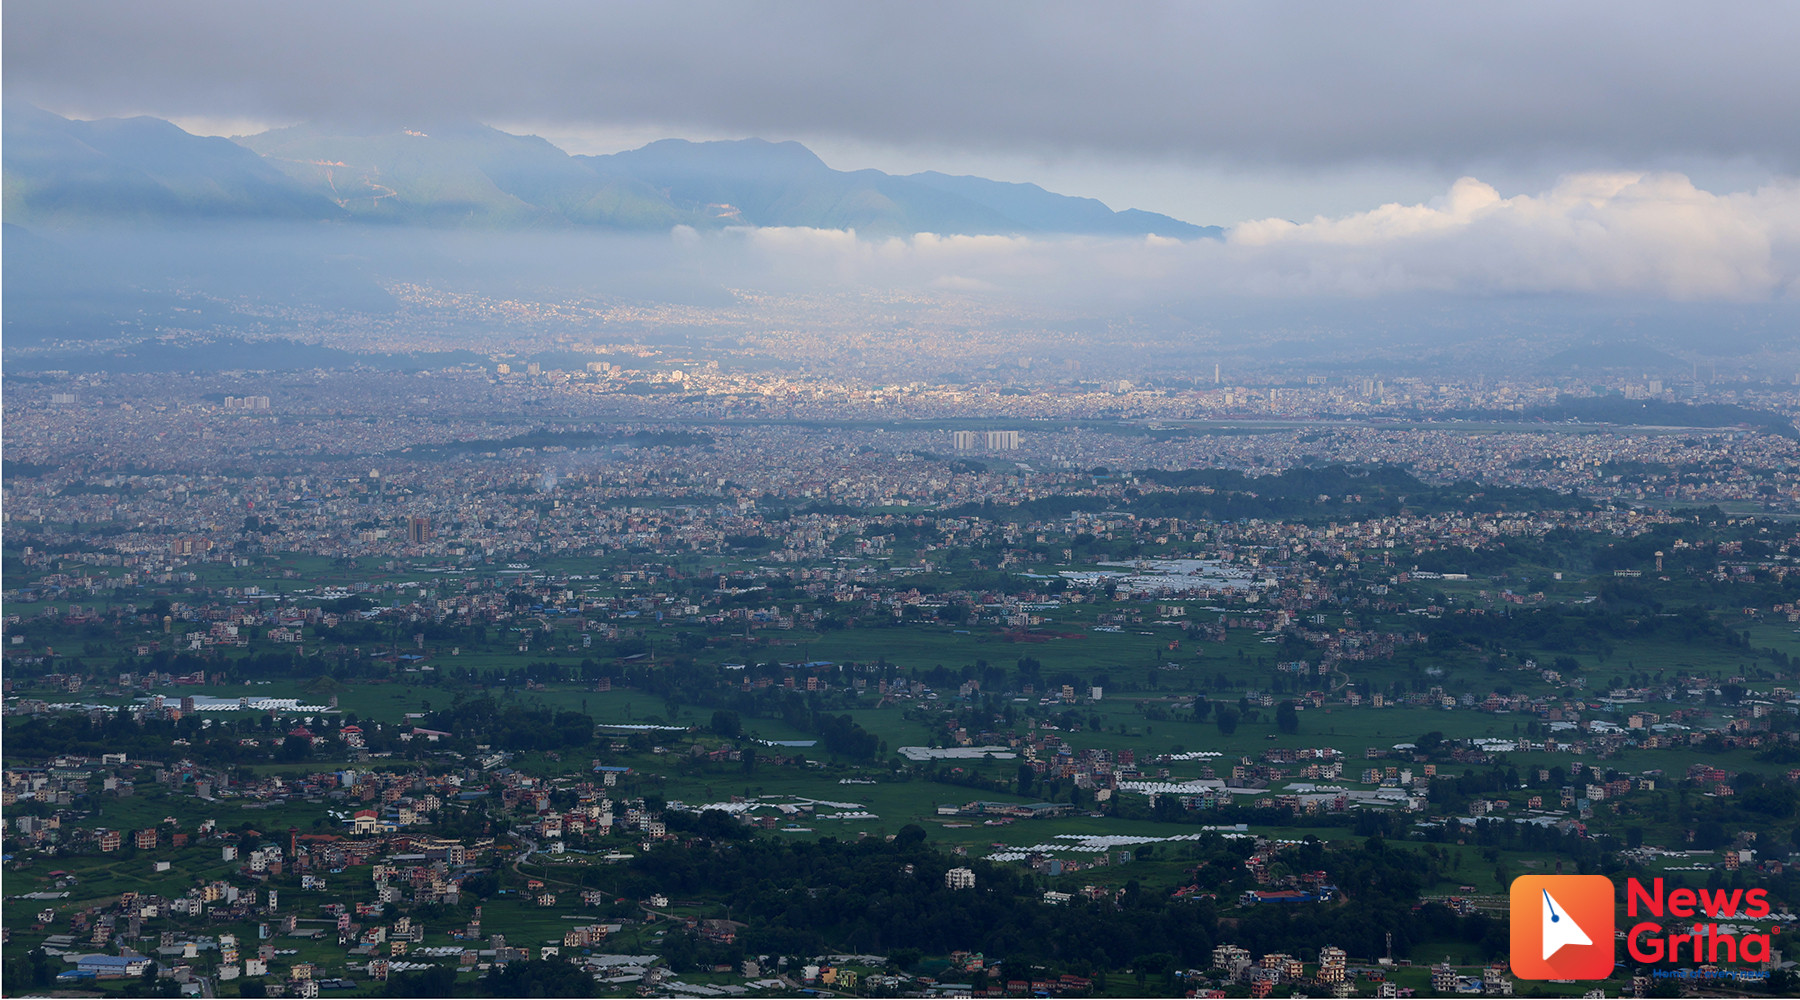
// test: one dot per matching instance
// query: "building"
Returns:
(112, 966)
(1230, 960)
(959, 878)
(991, 440)
(418, 530)
(1331, 964)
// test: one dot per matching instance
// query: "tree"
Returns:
(538, 978)
(726, 724)
(295, 748)
(1026, 775)
(438, 981)
(1286, 718)
(1227, 718)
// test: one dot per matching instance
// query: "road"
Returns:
(531, 847)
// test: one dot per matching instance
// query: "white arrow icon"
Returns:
(1560, 929)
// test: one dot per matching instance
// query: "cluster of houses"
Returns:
(1234, 966)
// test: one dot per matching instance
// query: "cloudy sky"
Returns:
(1642, 146)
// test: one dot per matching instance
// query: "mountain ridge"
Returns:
(60, 171)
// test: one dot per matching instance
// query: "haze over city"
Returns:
(1612, 154)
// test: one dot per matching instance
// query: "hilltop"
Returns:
(463, 174)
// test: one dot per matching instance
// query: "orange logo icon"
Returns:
(1562, 927)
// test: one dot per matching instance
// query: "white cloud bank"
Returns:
(1612, 234)
(1647, 236)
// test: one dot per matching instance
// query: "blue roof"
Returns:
(108, 961)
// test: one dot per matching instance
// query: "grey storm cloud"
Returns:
(1298, 84)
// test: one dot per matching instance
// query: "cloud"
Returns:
(1653, 235)
(961, 283)
(1645, 236)
(1317, 85)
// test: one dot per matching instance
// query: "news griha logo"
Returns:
(1563, 928)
